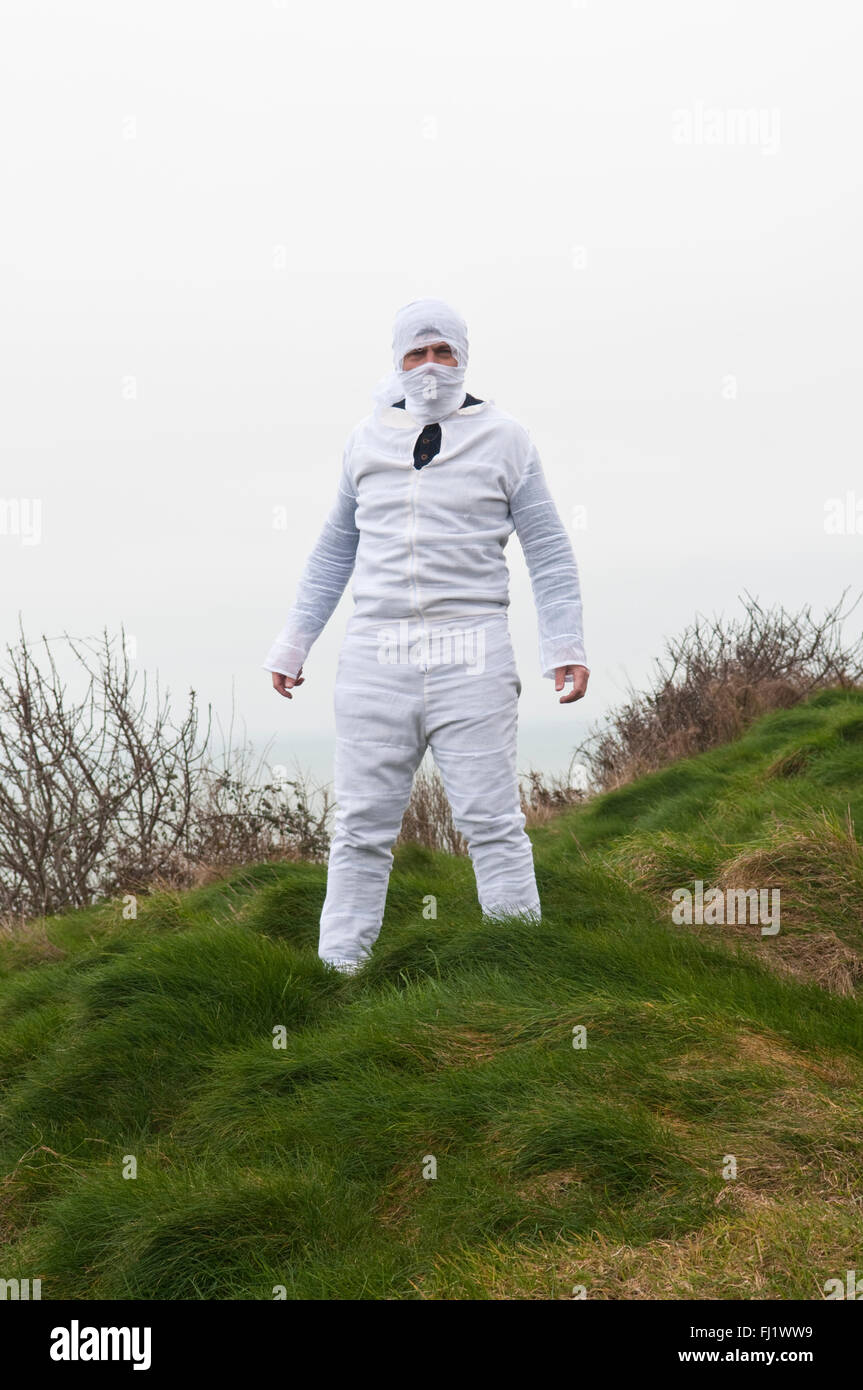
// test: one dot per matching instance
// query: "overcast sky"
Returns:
(649, 215)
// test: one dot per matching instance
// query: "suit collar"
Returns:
(398, 417)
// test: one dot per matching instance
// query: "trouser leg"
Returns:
(471, 722)
(379, 745)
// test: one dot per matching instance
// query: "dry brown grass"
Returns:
(817, 865)
(758, 1244)
(553, 1187)
(545, 796)
(776, 1054)
(428, 819)
(818, 957)
(407, 1186)
(28, 943)
(743, 1258)
(822, 959)
(816, 862)
(443, 1047)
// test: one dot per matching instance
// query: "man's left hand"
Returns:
(580, 677)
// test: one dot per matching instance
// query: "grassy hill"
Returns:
(302, 1166)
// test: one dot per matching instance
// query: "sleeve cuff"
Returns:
(549, 672)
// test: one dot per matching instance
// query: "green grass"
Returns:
(302, 1166)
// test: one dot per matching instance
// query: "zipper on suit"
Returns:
(412, 537)
(411, 541)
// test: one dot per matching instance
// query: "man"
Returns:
(433, 483)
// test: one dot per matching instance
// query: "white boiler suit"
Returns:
(427, 659)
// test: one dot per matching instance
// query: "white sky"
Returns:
(226, 202)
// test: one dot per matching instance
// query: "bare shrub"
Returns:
(107, 790)
(716, 679)
(546, 795)
(428, 819)
(237, 819)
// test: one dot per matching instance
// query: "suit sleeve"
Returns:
(323, 581)
(552, 568)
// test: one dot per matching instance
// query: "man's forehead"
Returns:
(428, 335)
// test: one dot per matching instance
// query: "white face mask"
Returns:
(432, 390)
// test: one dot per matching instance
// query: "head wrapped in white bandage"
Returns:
(433, 390)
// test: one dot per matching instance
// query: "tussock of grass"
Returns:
(817, 864)
(303, 1165)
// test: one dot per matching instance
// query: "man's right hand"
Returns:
(283, 685)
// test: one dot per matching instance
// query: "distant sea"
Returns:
(545, 747)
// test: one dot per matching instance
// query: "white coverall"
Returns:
(427, 658)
